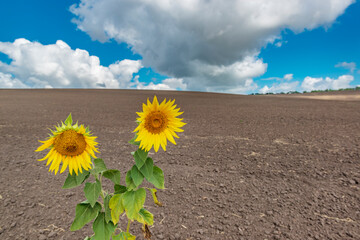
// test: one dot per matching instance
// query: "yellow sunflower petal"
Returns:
(79, 162)
(46, 144)
(82, 130)
(47, 155)
(57, 168)
(156, 142)
(155, 103)
(71, 165)
(163, 141)
(75, 165)
(170, 137)
(53, 162)
(65, 163)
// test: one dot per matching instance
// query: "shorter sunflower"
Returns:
(157, 124)
(71, 145)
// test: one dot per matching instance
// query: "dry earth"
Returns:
(246, 167)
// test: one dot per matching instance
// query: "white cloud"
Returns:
(246, 88)
(167, 84)
(280, 87)
(186, 38)
(310, 83)
(7, 81)
(289, 76)
(175, 83)
(286, 77)
(280, 43)
(351, 66)
(58, 66)
(221, 78)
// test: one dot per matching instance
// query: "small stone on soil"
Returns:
(20, 213)
(269, 213)
(42, 237)
(200, 231)
(52, 234)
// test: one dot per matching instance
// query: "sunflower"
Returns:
(157, 124)
(71, 145)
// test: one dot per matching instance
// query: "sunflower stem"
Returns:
(128, 226)
(102, 190)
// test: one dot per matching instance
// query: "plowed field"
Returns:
(246, 167)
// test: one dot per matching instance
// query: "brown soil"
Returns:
(347, 95)
(246, 167)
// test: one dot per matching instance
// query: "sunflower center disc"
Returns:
(70, 143)
(156, 122)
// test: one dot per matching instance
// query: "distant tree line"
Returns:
(313, 91)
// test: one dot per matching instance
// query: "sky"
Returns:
(232, 46)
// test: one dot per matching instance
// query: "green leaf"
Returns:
(133, 201)
(136, 176)
(116, 207)
(133, 142)
(87, 238)
(92, 192)
(69, 120)
(153, 193)
(129, 181)
(75, 180)
(99, 166)
(113, 175)
(157, 178)
(119, 189)
(140, 157)
(107, 208)
(124, 236)
(145, 217)
(147, 168)
(102, 230)
(84, 213)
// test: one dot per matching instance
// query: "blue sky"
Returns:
(315, 53)
(168, 54)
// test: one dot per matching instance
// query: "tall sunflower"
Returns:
(71, 145)
(157, 124)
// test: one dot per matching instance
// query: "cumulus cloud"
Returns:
(350, 66)
(8, 81)
(221, 78)
(310, 83)
(289, 76)
(167, 84)
(280, 87)
(204, 42)
(58, 66)
(286, 77)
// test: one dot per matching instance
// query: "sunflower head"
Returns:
(70, 145)
(157, 124)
